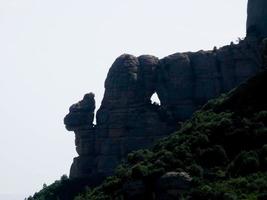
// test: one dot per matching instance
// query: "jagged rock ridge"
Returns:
(126, 119)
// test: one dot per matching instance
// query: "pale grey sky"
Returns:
(52, 52)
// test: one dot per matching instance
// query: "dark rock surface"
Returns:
(257, 18)
(126, 119)
(81, 114)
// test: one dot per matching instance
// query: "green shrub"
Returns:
(214, 156)
(139, 171)
(245, 163)
(261, 116)
(196, 170)
(139, 156)
(200, 140)
(111, 184)
(122, 171)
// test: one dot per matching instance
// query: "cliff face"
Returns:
(126, 119)
(257, 18)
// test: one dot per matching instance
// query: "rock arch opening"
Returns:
(155, 99)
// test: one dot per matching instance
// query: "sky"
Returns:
(52, 52)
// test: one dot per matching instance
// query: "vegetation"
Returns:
(223, 147)
(64, 188)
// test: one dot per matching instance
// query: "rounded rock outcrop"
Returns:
(81, 114)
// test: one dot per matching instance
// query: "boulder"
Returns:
(172, 185)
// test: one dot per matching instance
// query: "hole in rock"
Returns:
(155, 99)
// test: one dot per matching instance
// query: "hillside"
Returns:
(220, 153)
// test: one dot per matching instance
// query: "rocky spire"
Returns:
(257, 18)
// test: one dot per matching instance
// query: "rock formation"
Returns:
(127, 120)
(257, 18)
(81, 114)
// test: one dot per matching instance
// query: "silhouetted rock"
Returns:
(188, 80)
(257, 18)
(81, 114)
(126, 119)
